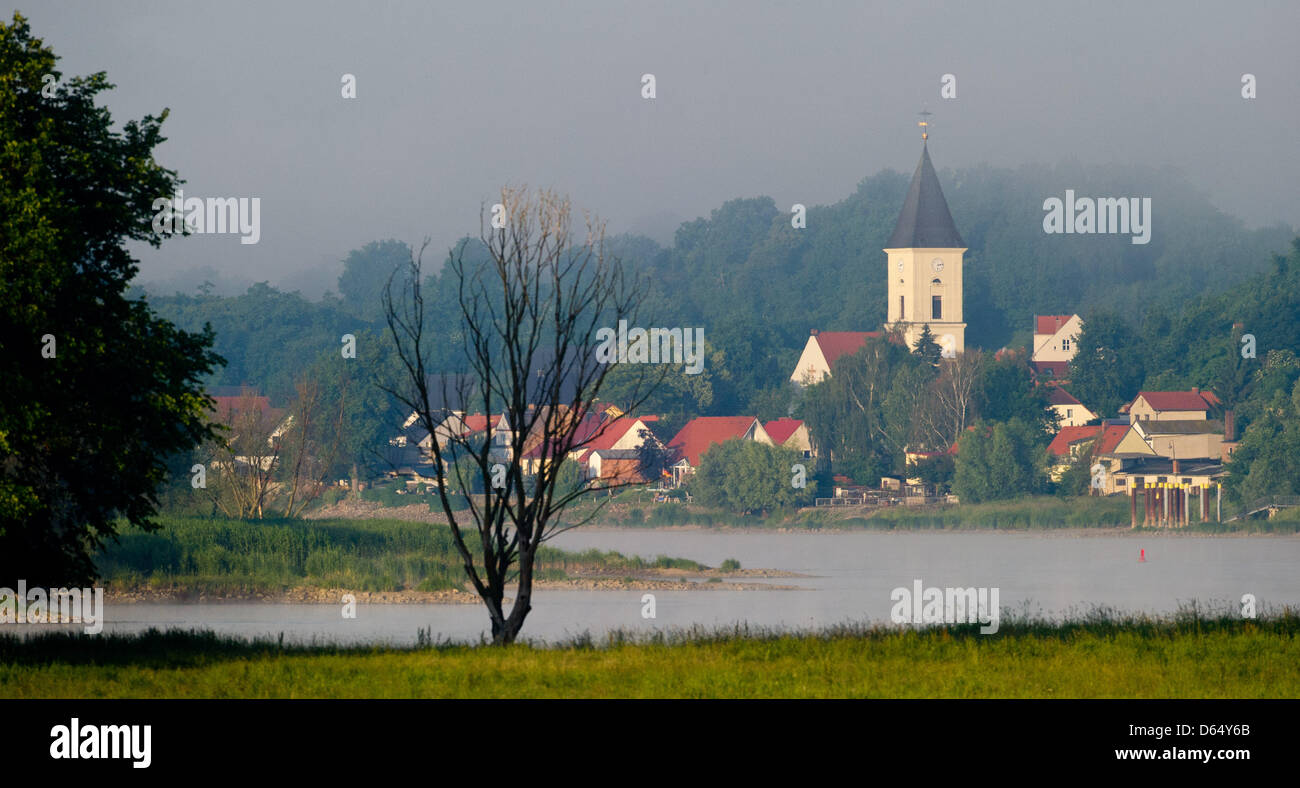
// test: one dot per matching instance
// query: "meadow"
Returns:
(1191, 655)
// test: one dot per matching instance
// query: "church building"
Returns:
(925, 265)
(924, 271)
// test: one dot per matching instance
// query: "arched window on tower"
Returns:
(936, 299)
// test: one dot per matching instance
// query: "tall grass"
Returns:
(1193, 654)
(234, 556)
(1020, 513)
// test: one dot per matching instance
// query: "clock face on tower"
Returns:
(937, 265)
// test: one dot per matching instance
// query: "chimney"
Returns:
(812, 332)
(1229, 427)
(1195, 390)
(1175, 466)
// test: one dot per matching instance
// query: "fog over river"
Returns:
(846, 577)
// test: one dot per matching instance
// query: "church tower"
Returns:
(925, 265)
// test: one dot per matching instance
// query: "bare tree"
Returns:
(245, 456)
(311, 442)
(531, 315)
(953, 400)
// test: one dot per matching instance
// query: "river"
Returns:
(847, 577)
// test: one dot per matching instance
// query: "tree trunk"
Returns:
(356, 481)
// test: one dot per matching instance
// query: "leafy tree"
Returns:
(1107, 370)
(845, 411)
(1007, 391)
(98, 392)
(905, 411)
(653, 458)
(1076, 479)
(365, 275)
(996, 461)
(934, 472)
(368, 415)
(1267, 461)
(748, 476)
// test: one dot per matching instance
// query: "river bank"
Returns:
(664, 580)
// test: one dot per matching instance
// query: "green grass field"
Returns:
(1182, 657)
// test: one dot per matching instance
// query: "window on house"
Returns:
(1187, 480)
(1161, 479)
(1069, 413)
(1065, 344)
(1139, 481)
(936, 307)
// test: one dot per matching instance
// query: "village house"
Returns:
(242, 408)
(1193, 405)
(1056, 340)
(791, 434)
(1149, 471)
(1173, 439)
(1069, 444)
(612, 453)
(823, 349)
(693, 440)
(410, 453)
(1169, 437)
(1070, 412)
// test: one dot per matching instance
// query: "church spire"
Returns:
(925, 222)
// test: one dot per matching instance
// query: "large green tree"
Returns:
(1267, 462)
(365, 276)
(97, 390)
(1003, 460)
(747, 476)
(1108, 367)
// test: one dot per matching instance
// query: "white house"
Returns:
(1056, 340)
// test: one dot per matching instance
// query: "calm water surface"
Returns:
(849, 577)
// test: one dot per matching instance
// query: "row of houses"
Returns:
(607, 445)
(1166, 437)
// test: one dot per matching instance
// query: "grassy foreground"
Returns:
(1100, 657)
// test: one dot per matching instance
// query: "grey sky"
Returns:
(796, 100)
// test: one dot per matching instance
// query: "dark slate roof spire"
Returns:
(925, 221)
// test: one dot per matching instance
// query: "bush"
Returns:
(730, 565)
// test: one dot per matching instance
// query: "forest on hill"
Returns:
(758, 285)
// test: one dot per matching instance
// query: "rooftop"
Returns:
(925, 222)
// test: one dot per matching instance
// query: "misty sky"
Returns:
(795, 100)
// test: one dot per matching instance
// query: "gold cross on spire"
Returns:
(925, 124)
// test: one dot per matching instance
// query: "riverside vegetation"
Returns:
(1042, 512)
(1194, 654)
(236, 557)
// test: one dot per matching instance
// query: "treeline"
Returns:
(757, 285)
(1159, 315)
